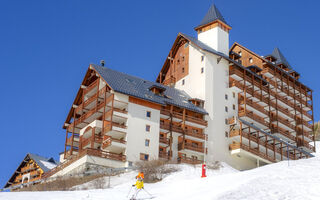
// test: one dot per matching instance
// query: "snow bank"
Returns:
(294, 180)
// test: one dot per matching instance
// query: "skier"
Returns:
(138, 186)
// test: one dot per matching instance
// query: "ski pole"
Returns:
(147, 192)
(129, 191)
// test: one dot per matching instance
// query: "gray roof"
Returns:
(280, 58)
(212, 15)
(38, 160)
(139, 88)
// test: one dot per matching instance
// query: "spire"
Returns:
(212, 15)
(280, 58)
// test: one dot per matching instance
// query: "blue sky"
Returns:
(46, 47)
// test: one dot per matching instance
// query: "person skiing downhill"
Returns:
(139, 185)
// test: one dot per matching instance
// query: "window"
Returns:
(202, 58)
(234, 107)
(202, 69)
(186, 45)
(182, 58)
(182, 81)
(182, 69)
(240, 53)
(234, 94)
(226, 134)
(226, 108)
(226, 121)
(130, 164)
(146, 143)
(148, 128)
(226, 97)
(144, 156)
(250, 60)
(149, 114)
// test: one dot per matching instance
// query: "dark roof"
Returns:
(212, 15)
(280, 58)
(139, 88)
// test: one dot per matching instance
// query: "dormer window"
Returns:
(197, 102)
(157, 89)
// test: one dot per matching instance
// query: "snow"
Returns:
(298, 180)
(49, 165)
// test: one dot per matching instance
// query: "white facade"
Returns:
(212, 85)
(137, 133)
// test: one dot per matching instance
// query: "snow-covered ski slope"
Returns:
(299, 180)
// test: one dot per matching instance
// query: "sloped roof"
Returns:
(139, 88)
(212, 15)
(44, 163)
(205, 47)
(280, 58)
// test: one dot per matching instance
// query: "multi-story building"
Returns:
(208, 103)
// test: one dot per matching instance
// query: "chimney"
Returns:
(102, 63)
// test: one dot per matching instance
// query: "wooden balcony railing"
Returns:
(164, 155)
(188, 132)
(27, 168)
(254, 105)
(234, 133)
(305, 134)
(283, 132)
(232, 120)
(188, 160)
(283, 121)
(164, 140)
(88, 151)
(188, 117)
(91, 86)
(267, 69)
(191, 147)
(243, 113)
(306, 144)
(108, 140)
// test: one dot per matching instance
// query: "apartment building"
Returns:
(209, 102)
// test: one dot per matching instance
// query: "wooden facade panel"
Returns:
(179, 66)
(246, 56)
(144, 103)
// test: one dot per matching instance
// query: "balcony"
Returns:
(234, 133)
(115, 145)
(232, 120)
(236, 147)
(88, 141)
(188, 118)
(306, 135)
(164, 155)
(191, 147)
(187, 160)
(27, 168)
(75, 142)
(164, 140)
(306, 146)
(254, 118)
(280, 132)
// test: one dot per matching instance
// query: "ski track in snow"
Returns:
(299, 180)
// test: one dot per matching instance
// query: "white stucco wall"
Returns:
(216, 38)
(137, 134)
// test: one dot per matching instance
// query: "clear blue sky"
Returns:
(46, 47)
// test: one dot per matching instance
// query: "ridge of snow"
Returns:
(299, 179)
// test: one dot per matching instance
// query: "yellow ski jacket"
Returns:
(139, 184)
